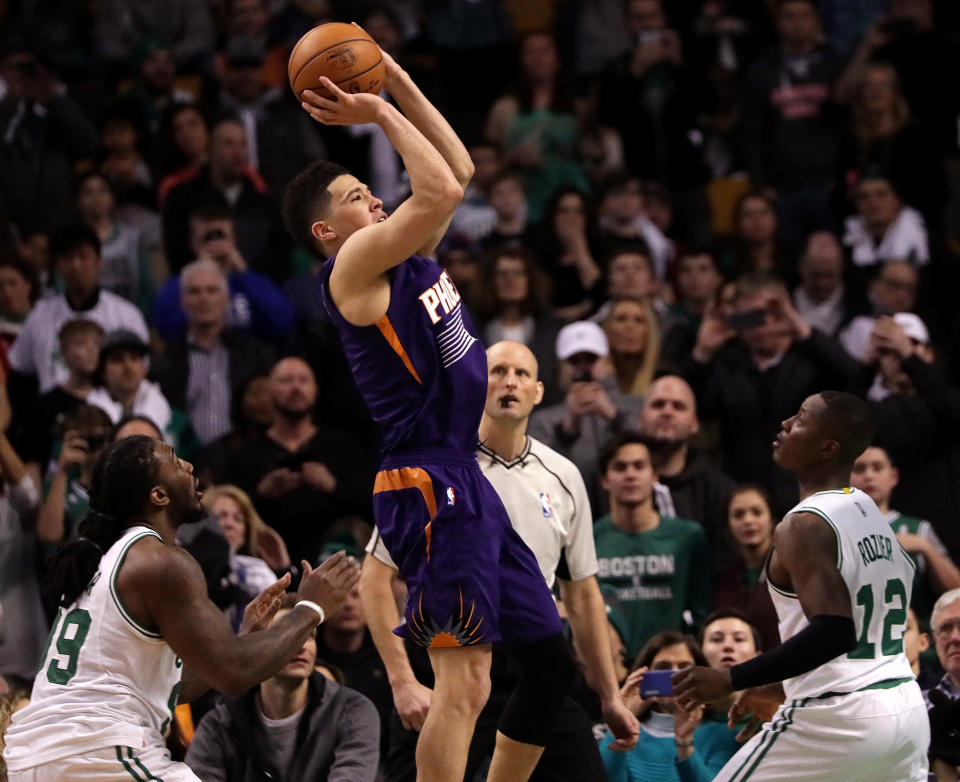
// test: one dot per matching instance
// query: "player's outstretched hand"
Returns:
(697, 685)
(329, 584)
(622, 724)
(344, 109)
(259, 612)
(759, 702)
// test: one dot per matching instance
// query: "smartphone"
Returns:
(656, 683)
(747, 319)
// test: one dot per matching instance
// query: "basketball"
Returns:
(344, 53)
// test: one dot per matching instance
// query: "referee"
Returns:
(546, 500)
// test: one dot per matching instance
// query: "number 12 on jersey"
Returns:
(894, 613)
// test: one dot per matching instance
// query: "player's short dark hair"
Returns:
(123, 476)
(612, 446)
(732, 613)
(850, 422)
(72, 237)
(307, 199)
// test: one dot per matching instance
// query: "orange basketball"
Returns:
(344, 53)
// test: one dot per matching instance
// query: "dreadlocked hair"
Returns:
(123, 477)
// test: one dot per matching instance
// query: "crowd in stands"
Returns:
(695, 213)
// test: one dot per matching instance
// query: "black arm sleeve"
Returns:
(825, 638)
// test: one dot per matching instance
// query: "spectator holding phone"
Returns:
(256, 303)
(86, 432)
(751, 368)
(592, 409)
(675, 745)
(79, 341)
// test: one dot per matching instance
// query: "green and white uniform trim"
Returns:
(879, 577)
(105, 679)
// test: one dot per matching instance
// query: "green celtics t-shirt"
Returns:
(75, 506)
(924, 593)
(656, 575)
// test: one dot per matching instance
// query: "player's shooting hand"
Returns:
(697, 685)
(259, 612)
(329, 584)
(622, 723)
(412, 700)
(344, 109)
(317, 476)
(392, 71)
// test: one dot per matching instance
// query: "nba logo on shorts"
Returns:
(546, 507)
(451, 496)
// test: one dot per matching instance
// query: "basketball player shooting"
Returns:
(422, 372)
(850, 708)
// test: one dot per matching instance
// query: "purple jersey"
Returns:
(420, 368)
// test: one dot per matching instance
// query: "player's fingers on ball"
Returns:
(333, 88)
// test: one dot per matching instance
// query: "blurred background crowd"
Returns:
(694, 212)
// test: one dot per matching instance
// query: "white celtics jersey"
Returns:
(879, 576)
(104, 681)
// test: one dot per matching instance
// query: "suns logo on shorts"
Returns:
(546, 507)
(451, 496)
(460, 629)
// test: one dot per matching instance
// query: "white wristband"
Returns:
(313, 607)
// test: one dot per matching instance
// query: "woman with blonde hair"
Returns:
(634, 338)
(257, 551)
(883, 136)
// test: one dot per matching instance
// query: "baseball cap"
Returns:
(123, 338)
(582, 336)
(913, 327)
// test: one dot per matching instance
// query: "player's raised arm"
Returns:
(169, 587)
(425, 117)
(379, 244)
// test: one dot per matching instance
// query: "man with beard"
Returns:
(133, 611)
(301, 474)
(688, 486)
